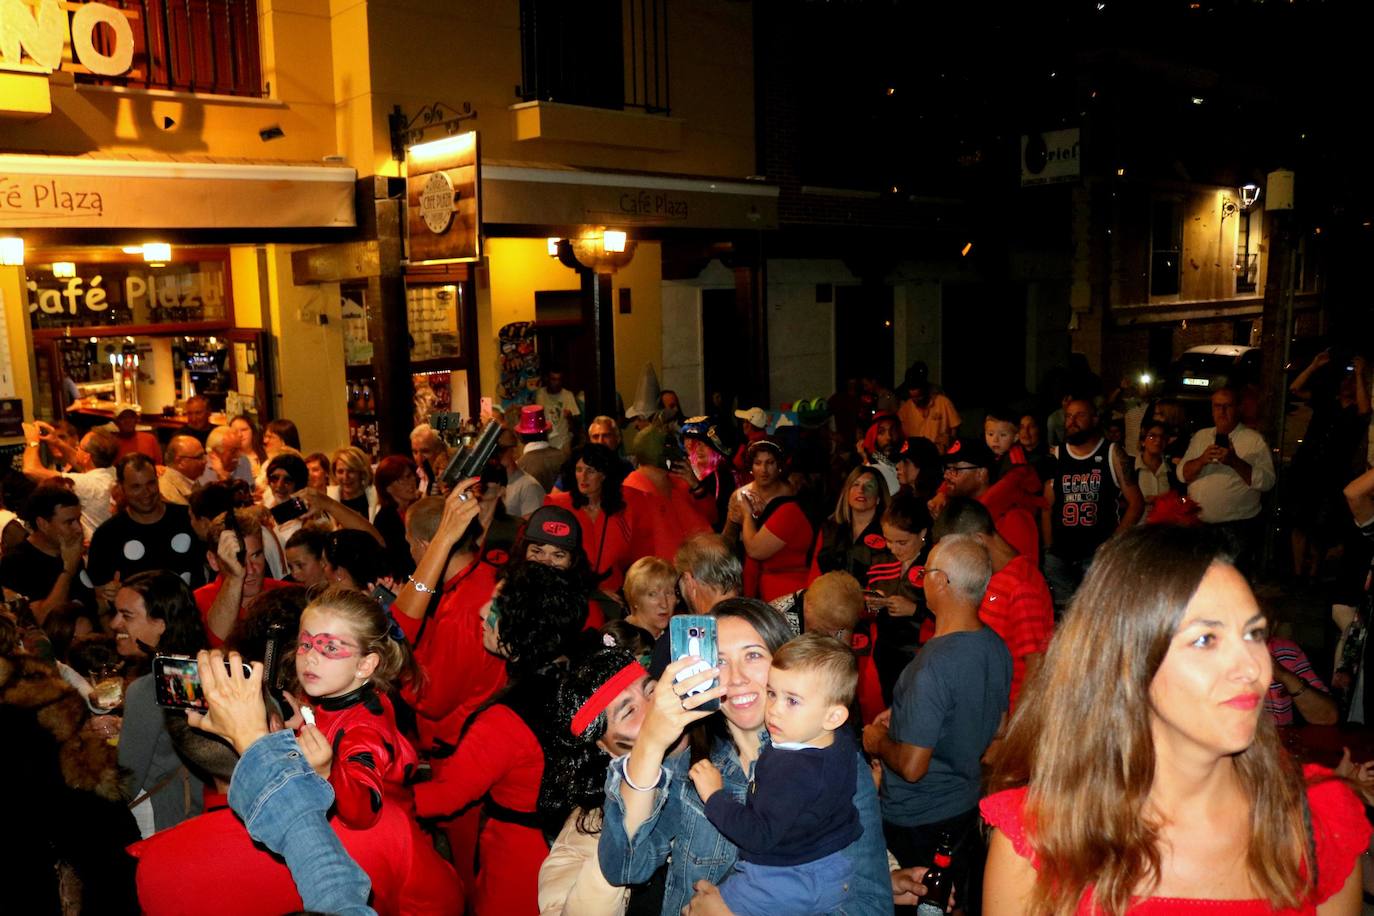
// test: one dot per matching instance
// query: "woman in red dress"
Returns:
(776, 533)
(608, 513)
(534, 617)
(1141, 773)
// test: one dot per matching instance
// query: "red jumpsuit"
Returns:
(499, 759)
(209, 864)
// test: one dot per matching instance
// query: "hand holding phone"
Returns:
(177, 685)
(289, 510)
(694, 635)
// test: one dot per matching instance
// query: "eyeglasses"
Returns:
(960, 468)
(923, 571)
(327, 644)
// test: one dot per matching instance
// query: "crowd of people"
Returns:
(1027, 654)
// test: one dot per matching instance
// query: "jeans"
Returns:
(283, 803)
(1064, 577)
(913, 846)
(818, 887)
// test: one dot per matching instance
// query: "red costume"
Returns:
(209, 864)
(788, 569)
(500, 762)
(205, 597)
(1340, 835)
(669, 519)
(608, 540)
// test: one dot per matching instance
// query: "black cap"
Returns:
(968, 450)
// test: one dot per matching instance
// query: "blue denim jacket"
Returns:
(283, 803)
(677, 831)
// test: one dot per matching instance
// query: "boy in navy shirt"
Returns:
(799, 813)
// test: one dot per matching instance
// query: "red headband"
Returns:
(596, 704)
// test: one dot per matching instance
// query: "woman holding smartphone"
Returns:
(652, 808)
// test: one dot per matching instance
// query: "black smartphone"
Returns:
(176, 682)
(275, 649)
(288, 510)
(1222, 441)
(383, 596)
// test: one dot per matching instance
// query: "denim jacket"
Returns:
(677, 831)
(283, 804)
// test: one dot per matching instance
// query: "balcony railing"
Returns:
(603, 53)
(206, 46)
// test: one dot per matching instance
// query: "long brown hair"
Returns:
(1081, 739)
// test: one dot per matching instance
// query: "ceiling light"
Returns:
(157, 251)
(12, 251)
(63, 269)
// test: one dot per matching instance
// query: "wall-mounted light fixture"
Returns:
(1249, 195)
(157, 253)
(553, 246)
(613, 240)
(12, 251)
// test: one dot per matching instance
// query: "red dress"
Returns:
(668, 520)
(499, 758)
(1339, 829)
(788, 569)
(209, 864)
(609, 540)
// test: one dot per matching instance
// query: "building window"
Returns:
(1166, 247)
(190, 45)
(1247, 254)
(602, 53)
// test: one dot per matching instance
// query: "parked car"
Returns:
(1202, 370)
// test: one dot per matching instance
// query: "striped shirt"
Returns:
(1287, 653)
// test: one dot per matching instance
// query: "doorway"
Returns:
(863, 333)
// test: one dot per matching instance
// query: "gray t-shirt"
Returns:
(950, 699)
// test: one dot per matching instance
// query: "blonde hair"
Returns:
(355, 458)
(646, 573)
(373, 629)
(825, 656)
(835, 600)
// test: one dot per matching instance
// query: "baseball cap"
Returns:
(754, 416)
(970, 451)
(556, 526)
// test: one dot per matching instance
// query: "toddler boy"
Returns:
(799, 814)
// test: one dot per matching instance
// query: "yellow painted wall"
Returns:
(296, 56)
(310, 356)
(14, 299)
(517, 268)
(457, 51)
(244, 286)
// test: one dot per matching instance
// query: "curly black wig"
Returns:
(541, 611)
(574, 766)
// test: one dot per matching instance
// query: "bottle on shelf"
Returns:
(938, 880)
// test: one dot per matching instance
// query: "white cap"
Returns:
(755, 416)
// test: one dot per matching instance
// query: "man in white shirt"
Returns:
(560, 407)
(1228, 468)
(93, 485)
(523, 493)
(226, 460)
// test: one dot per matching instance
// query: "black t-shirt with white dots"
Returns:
(125, 546)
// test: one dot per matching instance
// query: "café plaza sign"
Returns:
(33, 34)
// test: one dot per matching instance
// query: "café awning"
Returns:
(77, 192)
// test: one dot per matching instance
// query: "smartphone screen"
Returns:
(176, 682)
(383, 596)
(695, 635)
